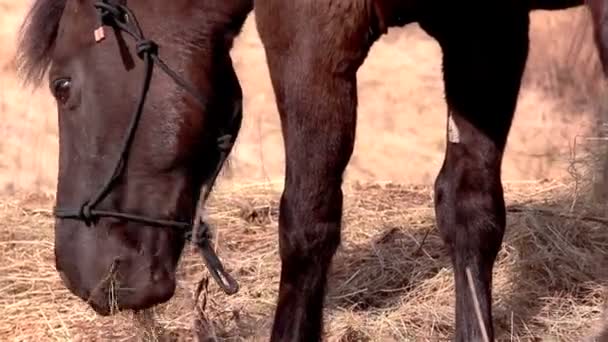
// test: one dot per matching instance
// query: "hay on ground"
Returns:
(391, 279)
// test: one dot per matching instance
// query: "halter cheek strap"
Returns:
(199, 232)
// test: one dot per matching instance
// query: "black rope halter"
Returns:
(198, 231)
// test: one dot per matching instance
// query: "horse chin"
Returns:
(106, 308)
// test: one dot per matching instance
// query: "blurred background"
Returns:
(401, 130)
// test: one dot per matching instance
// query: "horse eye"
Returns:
(61, 89)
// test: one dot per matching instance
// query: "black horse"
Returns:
(149, 135)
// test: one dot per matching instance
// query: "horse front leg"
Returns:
(319, 129)
(313, 57)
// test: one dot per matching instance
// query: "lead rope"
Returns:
(202, 233)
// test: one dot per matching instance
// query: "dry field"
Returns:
(388, 281)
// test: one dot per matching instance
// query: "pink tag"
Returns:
(100, 34)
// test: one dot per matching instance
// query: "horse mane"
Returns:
(37, 39)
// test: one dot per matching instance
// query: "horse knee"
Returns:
(310, 225)
(469, 202)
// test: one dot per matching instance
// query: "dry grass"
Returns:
(385, 286)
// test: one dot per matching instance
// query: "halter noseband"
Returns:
(198, 231)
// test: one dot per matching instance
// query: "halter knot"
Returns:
(145, 46)
(85, 214)
(107, 11)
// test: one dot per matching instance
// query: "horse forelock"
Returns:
(37, 38)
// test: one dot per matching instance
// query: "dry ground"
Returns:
(550, 274)
(387, 284)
